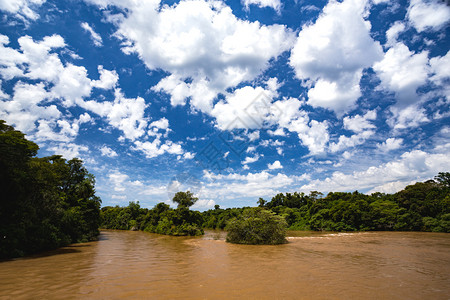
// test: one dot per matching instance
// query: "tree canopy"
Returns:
(46, 202)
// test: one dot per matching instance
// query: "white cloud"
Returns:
(390, 144)
(360, 123)
(363, 128)
(428, 14)
(203, 204)
(162, 123)
(253, 136)
(96, 38)
(275, 4)
(415, 165)
(313, 136)
(333, 52)
(253, 185)
(65, 83)
(157, 126)
(156, 148)
(48, 131)
(345, 142)
(249, 159)
(188, 155)
(275, 165)
(393, 32)
(118, 180)
(247, 107)
(125, 114)
(203, 46)
(68, 150)
(72, 85)
(409, 117)
(403, 72)
(440, 67)
(22, 8)
(106, 151)
(251, 149)
(108, 79)
(23, 110)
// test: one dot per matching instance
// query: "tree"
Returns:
(443, 178)
(184, 199)
(261, 202)
(257, 226)
(45, 202)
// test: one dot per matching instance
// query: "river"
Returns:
(139, 265)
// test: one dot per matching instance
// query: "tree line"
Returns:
(161, 219)
(423, 206)
(46, 202)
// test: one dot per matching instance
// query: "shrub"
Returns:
(257, 226)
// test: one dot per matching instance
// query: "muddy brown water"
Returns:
(139, 265)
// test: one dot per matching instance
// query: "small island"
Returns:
(257, 226)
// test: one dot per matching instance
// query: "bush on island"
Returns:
(257, 226)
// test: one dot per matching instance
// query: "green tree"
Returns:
(184, 199)
(443, 178)
(46, 202)
(257, 226)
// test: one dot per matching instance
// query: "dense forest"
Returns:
(46, 202)
(161, 219)
(424, 206)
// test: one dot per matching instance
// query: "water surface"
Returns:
(125, 264)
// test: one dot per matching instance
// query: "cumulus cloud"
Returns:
(403, 72)
(95, 37)
(156, 148)
(275, 4)
(275, 165)
(249, 159)
(393, 32)
(125, 114)
(250, 185)
(106, 151)
(118, 179)
(332, 53)
(29, 109)
(416, 164)
(247, 108)
(428, 14)
(440, 68)
(203, 204)
(22, 8)
(108, 79)
(203, 46)
(287, 114)
(390, 144)
(361, 125)
(358, 123)
(69, 150)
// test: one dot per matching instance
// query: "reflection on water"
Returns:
(371, 265)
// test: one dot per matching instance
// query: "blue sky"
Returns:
(234, 100)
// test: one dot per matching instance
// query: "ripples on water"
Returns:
(123, 264)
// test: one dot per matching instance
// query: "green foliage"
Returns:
(184, 199)
(46, 202)
(161, 219)
(423, 206)
(257, 226)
